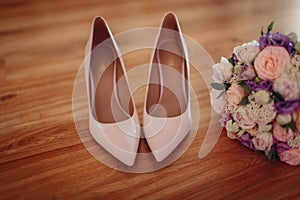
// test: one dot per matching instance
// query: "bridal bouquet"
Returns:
(257, 94)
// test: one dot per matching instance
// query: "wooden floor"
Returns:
(41, 155)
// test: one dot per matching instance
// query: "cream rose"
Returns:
(247, 52)
(222, 71)
(283, 119)
(241, 117)
(262, 97)
(263, 141)
(232, 127)
(270, 62)
(291, 156)
(235, 94)
(280, 133)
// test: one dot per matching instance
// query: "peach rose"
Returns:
(291, 156)
(280, 133)
(271, 61)
(235, 94)
(296, 118)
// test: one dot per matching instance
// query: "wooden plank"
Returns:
(42, 157)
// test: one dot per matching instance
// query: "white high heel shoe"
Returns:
(167, 113)
(113, 119)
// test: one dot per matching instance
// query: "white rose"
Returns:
(218, 104)
(247, 52)
(222, 71)
(263, 141)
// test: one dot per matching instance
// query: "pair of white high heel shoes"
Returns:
(113, 119)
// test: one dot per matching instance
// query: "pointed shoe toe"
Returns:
(165, 134)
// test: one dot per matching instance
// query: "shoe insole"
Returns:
(112, 96)
(111, 102)
(167, 92)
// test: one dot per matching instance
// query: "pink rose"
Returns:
(235, 94)
(287, 87)
(280, 133)
(270, 62)
(263, 141)
(241, 117)
(291, 156)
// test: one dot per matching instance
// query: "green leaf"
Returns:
(268, 153)
(262, 31)
(245, 100)
(287, 128)
(270, 27)
(227, 85)
(230, 60)
(221, 94)
(278, 96)
(217, 86)
(245, 86)
(271, 155)
(293, 127)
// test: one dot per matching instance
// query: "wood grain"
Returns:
(41, 156)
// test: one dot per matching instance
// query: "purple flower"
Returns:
(246, 140)
(281, 146)
(287, 107)
(224, 118)
(276, 39)
(263, 85)
(246, 73)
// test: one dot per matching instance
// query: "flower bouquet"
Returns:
(257, 93)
